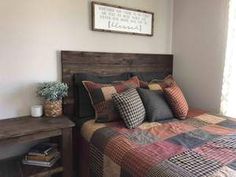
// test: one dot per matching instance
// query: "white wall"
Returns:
(32, 32)
(199, 39)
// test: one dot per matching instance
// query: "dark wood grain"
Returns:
(28, 129)
(108, 64)
(13, 167)
(18, 127)
(67, 152)
(34, 171)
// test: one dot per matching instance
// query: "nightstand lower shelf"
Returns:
(34, 171)
(14, 168)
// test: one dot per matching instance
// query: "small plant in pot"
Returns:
(52, 92)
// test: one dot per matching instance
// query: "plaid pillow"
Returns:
(101, 97)
(177, 101)
(130, 107)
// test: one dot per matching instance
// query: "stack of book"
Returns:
(44, 155)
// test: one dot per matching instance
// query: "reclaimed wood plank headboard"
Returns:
(108, 64)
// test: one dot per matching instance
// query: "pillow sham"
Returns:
(83, 106)
(130, 107)
(177, 101)
(155, 105)
(166, 82)
(101, 97)
(148, 76)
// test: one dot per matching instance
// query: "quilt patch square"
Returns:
(195, 163)
(107, 92)
(102, 137)
(210, 118)
(95, 161)
(168, 169)
(195, 112)
(203, 135)
(142, 137)
(139, 160)
(168, 130)
(118, 147)
(224, 172)
(195, 122)
(97, 96)
(232, 165)
(214, 152)
(186, 140)
(228, 123)
(218, 130)
(148, 125)
(110, 168)
(228, 142)
(124, 173)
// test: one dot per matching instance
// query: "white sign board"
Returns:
(123, 20)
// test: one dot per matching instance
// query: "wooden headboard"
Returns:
(108, 64)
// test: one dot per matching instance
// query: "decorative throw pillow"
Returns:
(152, 85)
(167, 82)
(148, 76)
(130, 107)
(83, 106)
(155, 105)
(101, 97)
(177, 101)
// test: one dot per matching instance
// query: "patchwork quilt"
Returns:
(202, 145)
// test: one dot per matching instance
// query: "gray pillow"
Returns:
(156, 106)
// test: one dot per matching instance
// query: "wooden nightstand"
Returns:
(28, 129)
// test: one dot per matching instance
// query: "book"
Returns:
(43, 149)
(42, 158)
(42, 163)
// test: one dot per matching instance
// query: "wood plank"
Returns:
(30, 138)
(102, 63)
(67, 152)
(13, 167)
(34, 171)
(17, 127)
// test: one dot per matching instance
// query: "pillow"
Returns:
(168, 81)
(101, 97)
(148, 76)
(83, 106)
(130, 107)
(154, 84)
(177, 101)
(155, 105)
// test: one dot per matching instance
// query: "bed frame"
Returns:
(103, 64)
(108, 64)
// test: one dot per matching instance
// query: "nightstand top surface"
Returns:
(23, 126)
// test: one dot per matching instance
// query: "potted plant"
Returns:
(52, 92)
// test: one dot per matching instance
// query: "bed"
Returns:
(202, 145)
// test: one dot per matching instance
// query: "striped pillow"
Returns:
(101, 97)
(177, 101)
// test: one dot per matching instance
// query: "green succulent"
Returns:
(52, 91)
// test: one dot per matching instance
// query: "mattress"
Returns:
(202, 145)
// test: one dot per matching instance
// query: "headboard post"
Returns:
(108, 64)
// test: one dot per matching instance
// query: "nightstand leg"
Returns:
(67, 152)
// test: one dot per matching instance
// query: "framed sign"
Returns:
(118, 19)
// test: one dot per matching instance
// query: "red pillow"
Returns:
(101, 97)
(177, 101)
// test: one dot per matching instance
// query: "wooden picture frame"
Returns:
(117, 19)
